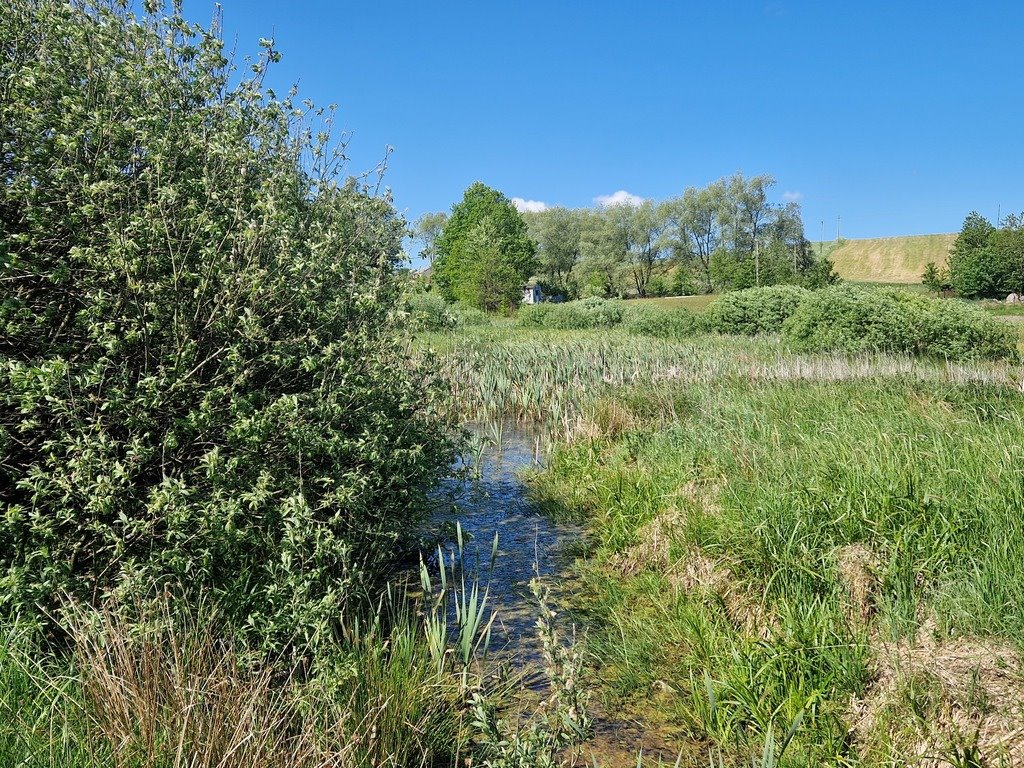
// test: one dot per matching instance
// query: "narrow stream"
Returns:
(494, 500)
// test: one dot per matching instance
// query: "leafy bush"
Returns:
(754, 310)
(534, 315)
(470, 316)
(649, 320)
(429, 311)
(851, 319)
(201, 379)
(573, 315)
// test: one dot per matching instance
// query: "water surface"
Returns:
(493, 498)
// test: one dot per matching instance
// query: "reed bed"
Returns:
(553, 379)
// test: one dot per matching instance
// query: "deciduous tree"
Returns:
(483, 213)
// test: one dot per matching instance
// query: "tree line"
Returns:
(725, 236)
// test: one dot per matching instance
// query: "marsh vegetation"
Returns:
(235, 470)
(821, 551)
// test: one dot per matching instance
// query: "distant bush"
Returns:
(469, 316)
(851, 319)
(573, 315)
(533, 315)
(754, 310)
(661, 322)
(429, 311)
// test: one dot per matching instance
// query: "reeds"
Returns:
(554, 379)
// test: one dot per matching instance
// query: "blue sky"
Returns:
(900, 117)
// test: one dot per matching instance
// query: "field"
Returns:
(896, 260)
(268, 498)
(816, 558)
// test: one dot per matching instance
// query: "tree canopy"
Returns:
(484, 253)
(727, 235)
(988, 261)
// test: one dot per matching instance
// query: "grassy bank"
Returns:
(894, 260)
(817, 552)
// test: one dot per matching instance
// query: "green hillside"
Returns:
(887, 259)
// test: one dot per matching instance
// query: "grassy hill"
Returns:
(887, 259)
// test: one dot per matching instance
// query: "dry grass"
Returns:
(693, 572)
(890, 259)
(162, 689)
(935, 700)
(164, 693)
(858, 568)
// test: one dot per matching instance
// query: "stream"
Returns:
(492, 499)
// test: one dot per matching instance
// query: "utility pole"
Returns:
(821, 237)
(838, 219)
(999, 215)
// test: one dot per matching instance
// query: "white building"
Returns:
(532, 294)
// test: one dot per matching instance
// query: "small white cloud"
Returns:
(532, 206)
(622, 197)
(792, 197)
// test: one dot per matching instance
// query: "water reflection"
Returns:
(493, 499)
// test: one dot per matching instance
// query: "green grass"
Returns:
(693, 303)
(780, 541)
(720, 537)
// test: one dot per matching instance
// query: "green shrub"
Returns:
(851, 319)
(201, 376)
(649, 320)
(429, 311)
(754, 310)
(466, 317)
(573, 315)
(534, 315)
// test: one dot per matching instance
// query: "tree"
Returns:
(201, 380)
(752, 211)
(730, 236)
(641, 228)
(426, 230)
(694, 227)
(975, 266)
(461, 248)
(557, 233)
(936, 279)
(1007, 243)
(600, 269)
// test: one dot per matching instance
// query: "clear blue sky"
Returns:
(900, 117)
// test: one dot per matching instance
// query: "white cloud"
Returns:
(792, 197)
(622, 197)
(533, 206)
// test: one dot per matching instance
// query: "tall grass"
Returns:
(163, 684)
(780, 541)
(555, 378)
(165, 688)
(756, 556)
